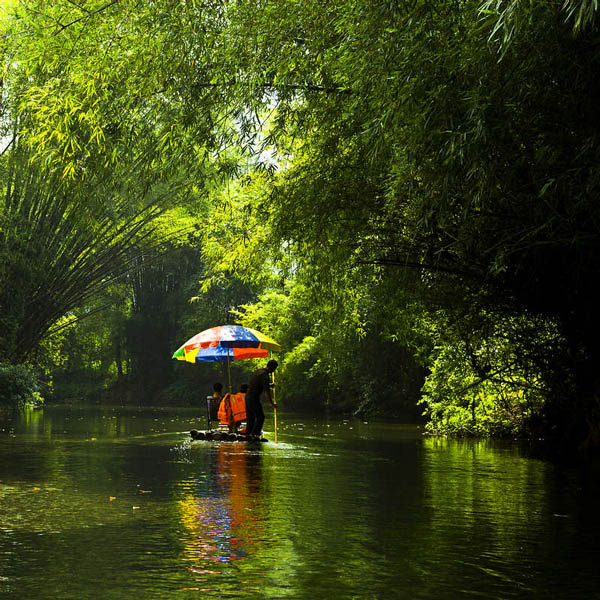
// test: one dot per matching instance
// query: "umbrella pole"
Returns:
(228, 371)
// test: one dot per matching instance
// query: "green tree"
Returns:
(91, 356)
(92, 150)
(455, 138)
(56, 252)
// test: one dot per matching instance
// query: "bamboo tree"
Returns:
(57, 251)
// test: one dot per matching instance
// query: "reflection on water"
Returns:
(522, 515)
(221, 510)
(121, 504)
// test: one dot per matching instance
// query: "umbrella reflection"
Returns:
(222, 511)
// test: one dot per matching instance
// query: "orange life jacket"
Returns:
(232, 408)
(238, 406)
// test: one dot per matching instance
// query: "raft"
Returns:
(221, 436)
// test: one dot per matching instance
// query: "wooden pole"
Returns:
(274, 402)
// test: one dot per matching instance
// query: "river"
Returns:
(119, 503)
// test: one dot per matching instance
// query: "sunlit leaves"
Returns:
(237, 235)
(96, 92)
(490, 379)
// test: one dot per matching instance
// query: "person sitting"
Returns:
(239, 407)
(232, 410)
(217, 390)
(213, 401)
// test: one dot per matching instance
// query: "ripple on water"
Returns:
(334, 510)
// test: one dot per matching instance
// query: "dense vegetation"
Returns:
(402, 193)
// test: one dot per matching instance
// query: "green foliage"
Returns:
(459, 401)
(303, 376)
(435, 138)
(412, 179)
(89, 354)
(57, 250)
(237, 237)
(86, 99)
(18, 387)
(336, 353)
(489, 373)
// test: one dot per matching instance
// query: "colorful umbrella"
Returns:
(226, 343)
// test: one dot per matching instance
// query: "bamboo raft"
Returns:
(213, 435)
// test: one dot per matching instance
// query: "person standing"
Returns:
(260, 383)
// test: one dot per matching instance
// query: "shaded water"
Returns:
(120, 504)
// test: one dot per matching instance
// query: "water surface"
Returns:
(121, 504)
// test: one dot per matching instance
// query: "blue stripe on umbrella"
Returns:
(238, 337)
(215, 353)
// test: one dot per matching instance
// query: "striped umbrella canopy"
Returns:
(226, 343)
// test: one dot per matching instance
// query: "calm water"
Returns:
(120, 504)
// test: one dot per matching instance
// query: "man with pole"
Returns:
(259, 382)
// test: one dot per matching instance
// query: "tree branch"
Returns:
(86, 16)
